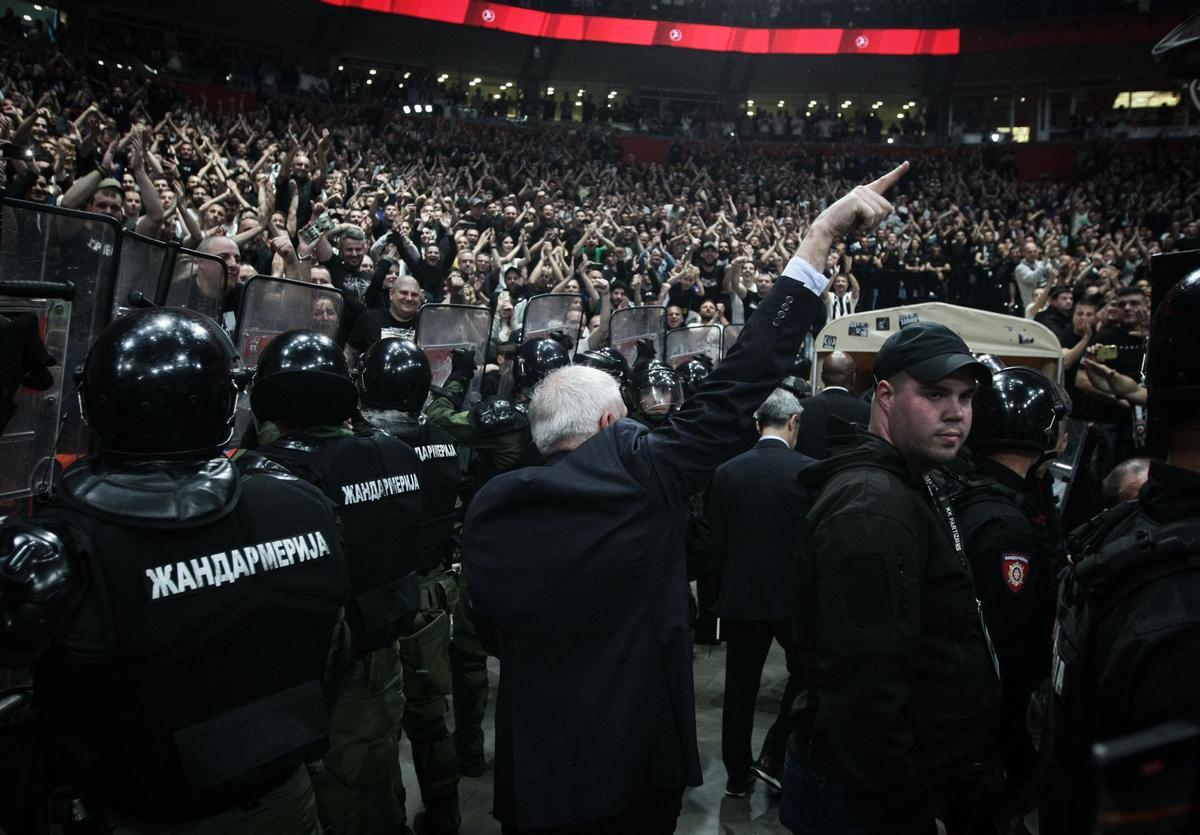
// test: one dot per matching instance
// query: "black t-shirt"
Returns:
(374, 325)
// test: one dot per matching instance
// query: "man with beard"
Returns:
(346, 267)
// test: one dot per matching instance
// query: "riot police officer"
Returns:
(394, 379)
(654, 393)
(498, 430)
(1127, 641)
(302, 396)
(146, 597)
(694, 372)
(609, 360)
(1011, 541)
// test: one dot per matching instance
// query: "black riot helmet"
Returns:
(394, 374)
(159, 382)
(1020, 409)
(609, 360)
(694, 372)
(302, 378)
(535, 359)
(654, 391)
(1172, 371)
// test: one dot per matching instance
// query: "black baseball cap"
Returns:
(928, 351)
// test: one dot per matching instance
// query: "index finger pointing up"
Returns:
(889, 179)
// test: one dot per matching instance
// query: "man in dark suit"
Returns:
(828, 413)
(579, 567)
(756, 511)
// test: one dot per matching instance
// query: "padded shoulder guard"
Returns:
(250, 463)
(41, 582)
(497, 416)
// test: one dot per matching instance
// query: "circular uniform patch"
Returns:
(1016, 570)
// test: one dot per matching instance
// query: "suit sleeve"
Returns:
(869, 611)
(707, 429)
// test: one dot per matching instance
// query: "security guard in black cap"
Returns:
(179, 616)
(901, 722)
(1127, 640)
(1012, 542)
(394, 378)
(302, 397)
(498, 430)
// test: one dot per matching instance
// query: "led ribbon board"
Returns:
(638, 32)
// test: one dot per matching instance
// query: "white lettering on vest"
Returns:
(210, 571)
(380, 488)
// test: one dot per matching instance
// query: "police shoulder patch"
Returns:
(1016, 571)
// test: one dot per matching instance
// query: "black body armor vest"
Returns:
(215, 600)
(374, 483)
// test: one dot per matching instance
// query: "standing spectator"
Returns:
(756, 566)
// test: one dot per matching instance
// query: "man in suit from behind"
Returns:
(756, 510)
(579, 567)
(835, 406)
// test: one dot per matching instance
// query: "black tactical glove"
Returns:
(462, 366)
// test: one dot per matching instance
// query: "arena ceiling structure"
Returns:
(947, 49)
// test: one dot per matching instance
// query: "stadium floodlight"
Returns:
(812, 103)
(995, 137)
(912, 104)
(372, 71)
(370, 81)
(891, 140)
(407, 110)
(899, 115)
(780, 103)
(407, 74)
(341, 67)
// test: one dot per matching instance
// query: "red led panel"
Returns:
(637, 32)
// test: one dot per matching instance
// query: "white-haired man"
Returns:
(579, 567)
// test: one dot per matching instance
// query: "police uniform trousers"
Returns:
(468, 664)
(289, 809)
(425, 658)
(358, 784)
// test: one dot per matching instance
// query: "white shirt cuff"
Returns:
(800, 270)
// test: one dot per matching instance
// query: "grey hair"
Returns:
(567, 406)
(778, 408)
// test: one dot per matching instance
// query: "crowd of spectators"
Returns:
(489, 213)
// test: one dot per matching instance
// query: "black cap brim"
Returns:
(942, 366)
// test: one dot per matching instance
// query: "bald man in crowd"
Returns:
(829, 412)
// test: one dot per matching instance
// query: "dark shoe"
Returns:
(769, 771)
(740, 788)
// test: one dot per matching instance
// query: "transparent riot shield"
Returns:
(140, 270)
(684, 344)
(729, 335)
(442, 328)
(1065, 467)
(32, 339)
(271, 306)
(629, 325)
(552, 312)
(198, 282)
(57, 248)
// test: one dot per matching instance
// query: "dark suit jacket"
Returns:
(815, 419)
(756, 509)
(579, 566)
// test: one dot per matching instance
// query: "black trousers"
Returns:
(746, 647)
(653, 812)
